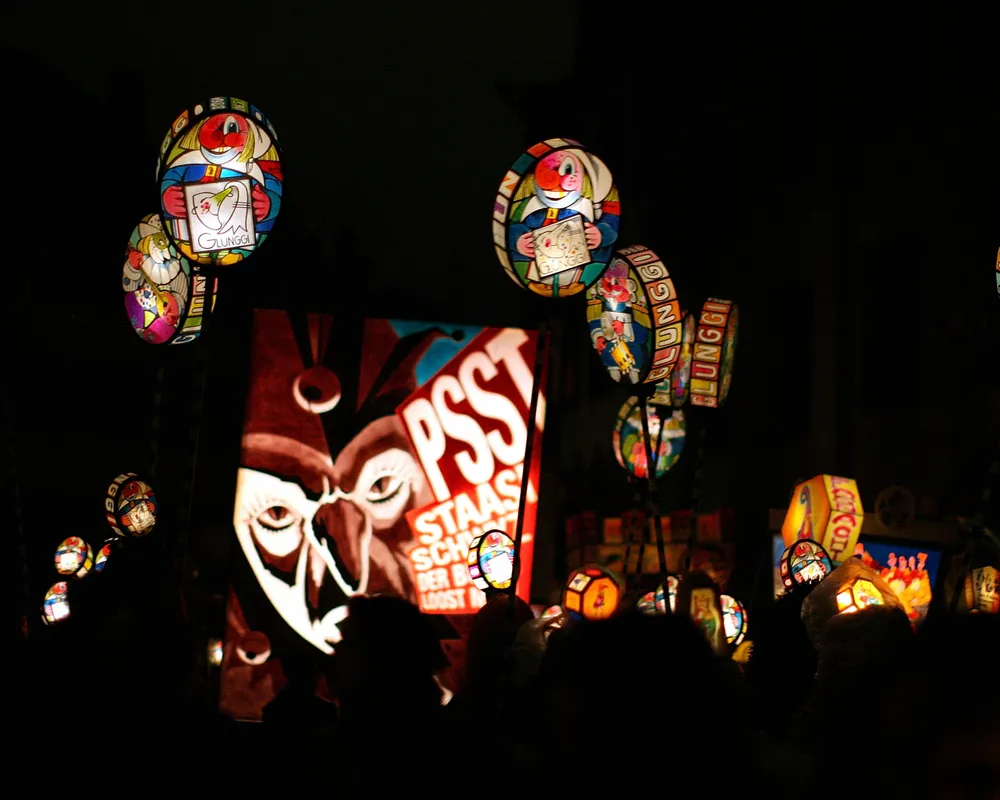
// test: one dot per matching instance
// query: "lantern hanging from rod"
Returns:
(591, 593)
(74, 557)
(130, 506)
(166, 297)
(555, 218)
(714, 352)
(220, 181)
(491, 560)
(634, 318)
(654, 603)
(734, 619)
(629, 444)
(826, 509)
(55, 606)
(804, 560)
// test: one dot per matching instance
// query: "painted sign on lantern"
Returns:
(635, 319)
(469, 427)
(714, 353)
(630, 448)
(220, 181)
(555, 218)
(826, 509)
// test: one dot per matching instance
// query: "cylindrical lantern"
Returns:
(101, 559)
(220, 181)
(635, 318)
(591, 593)
(698, 596)
(714, 352)
(680, 378)
(55, 606)
(629, 444)
(166, 298)
(555, 218)
(803, 561)
(130, 506)
(734, 619)
(491, 560)
(74, 557)
(826, 509)
(653, 603)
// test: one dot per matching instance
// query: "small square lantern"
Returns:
(714, 352)
(857, 595)
(130, 506)
(491, 561)
(804, 560)
(826, 509)
(55, 606)
(74, 557)
(591, 593)
(734, 620)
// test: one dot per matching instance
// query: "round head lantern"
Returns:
(629, 443)
(555, 218)
(130, 506)
(220, 181)
(74, 557)
(55, 606)
(634, 318)
(591, 593)
(734, 620)
(714, 353)
(491, 561)
(803, 561)
(166, 298)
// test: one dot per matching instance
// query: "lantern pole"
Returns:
(541, 350)
(653, 503)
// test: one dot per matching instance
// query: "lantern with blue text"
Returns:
(634, 318)
(653, 603)
(804, 560)
(74, 557)
(555, 218)
(220, 181)
(55, 606)
(130, 506)
(491, 560)
(166, 297)
(714, 352)
(826, 509)
(629, 444)
(734, 619)
(591, 593)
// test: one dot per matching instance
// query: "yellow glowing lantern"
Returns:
(743, 652)
(714, 353)
(826, 509)
(986, 589)
(491, 560)
(860, 594)
(591, 593)
(74, 557)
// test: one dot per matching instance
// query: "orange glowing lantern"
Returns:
(826, 509)
(591, 593)
(860, 594)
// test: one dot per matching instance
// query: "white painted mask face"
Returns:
(316, 532)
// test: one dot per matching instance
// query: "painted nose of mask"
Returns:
(340, 526)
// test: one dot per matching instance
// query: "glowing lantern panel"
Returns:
(635, 319)
(102, 558)
(653, 603)
(680, 378)
(555, 218)
(74, 557)
(860, 594)
(130, 506)
(986, 589)
(714, 353)
(166, 299)
(734, 619)
(591, 593)
(215, 652)
(491, 560)
(826, 509)
(629, 444)
(55, 606)
(220, 181)
(552, 612)
(803, 561)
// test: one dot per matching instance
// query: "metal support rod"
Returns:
(653, 504)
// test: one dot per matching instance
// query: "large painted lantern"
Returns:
(734, 620)
(220, 181)
(804, 560)
(714, 353)
(491, 561)
(826, 509)
(635, 319)
(74, 557)
(555, 218)
(591, 593)
(130, 506)
(166, 297)
(629, 444)
(55, 606)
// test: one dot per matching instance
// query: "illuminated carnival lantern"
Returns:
(166, 298)
(698, 596)
(555, 218)
(650, 606)
(714, 353)
(826, 509)
(74, 557)
(804, 560)
(635, 319)
(101, 559)
(985, 583)
(629, 444)
(858, 594)
(130, 506)
(55, 606)
(552, 612)
(591, 593)
(849, 588)
(743, 652)
(734, 619)
(214, 653)
(220, 181)
(491, 561)
(680, 377)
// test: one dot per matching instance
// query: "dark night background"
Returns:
(833, 171)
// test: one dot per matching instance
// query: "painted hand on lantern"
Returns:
(618, 327)
(173, 201)
(261, 202)
(601, 344)
(593, 234)
(526, 244)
